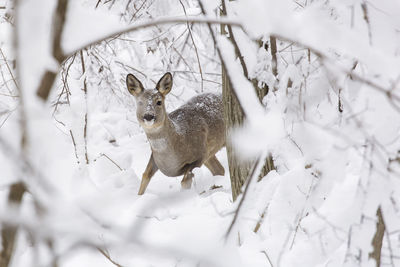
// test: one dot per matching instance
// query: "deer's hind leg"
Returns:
(214, 166)
(148, 173)
(186, 182)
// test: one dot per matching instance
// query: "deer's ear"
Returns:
(135, 87)
(164, 85)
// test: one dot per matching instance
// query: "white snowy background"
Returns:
(331, 121)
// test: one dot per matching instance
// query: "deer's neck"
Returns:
(161, 136)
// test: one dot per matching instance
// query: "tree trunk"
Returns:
(234, 116)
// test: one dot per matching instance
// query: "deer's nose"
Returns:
(148, 117)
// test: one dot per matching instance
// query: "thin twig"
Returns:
(104, 155)
(260, 221)
(195, 48)
(231, 37)
(86, 107)
(9, 69)
(74, 143)
(160, 21)
(184, 44)
(5, 82)
(266, 255)
(184, 61)
(388, 93)
(13, 96)
(137, 10)
(364, 8)
(391, 256)
(65, 85)
(221, 21)
(105, 254)
(10, 112)
(301, 215)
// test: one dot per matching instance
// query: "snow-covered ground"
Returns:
(331, 121)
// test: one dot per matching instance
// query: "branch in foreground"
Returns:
(388, 93)
(58, 26)
(8, 232)
(160, 21)
(378, 238)
(48, 79)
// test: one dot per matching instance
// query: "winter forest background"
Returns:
(312, 101)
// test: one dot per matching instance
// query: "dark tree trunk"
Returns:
(234, 116)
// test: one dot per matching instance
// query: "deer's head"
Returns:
(150, 108)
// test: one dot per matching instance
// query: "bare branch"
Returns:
(260, 221)
(160, 21)
(86, 107)
(57, 30)
(74, 143)
(272, 41)
(9, 69)
(231, 37)
(107, 157)
(378, 238)
(364, 8)
(266, 255)
(107, 255)
(195, 48)
(387, 92)
(8, 232)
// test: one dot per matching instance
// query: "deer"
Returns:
(182, 140)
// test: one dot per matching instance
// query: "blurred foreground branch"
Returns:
(354, 76)
(8, 232)
(378, 238)
(58, 26)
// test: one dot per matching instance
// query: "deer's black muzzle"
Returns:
(148, 117)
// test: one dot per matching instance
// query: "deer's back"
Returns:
(201, 111)
(200, 125)
(207, 107)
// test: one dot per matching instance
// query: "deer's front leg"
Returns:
(148, 173)
(186, 182)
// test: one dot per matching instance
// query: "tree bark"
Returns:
(234, 116)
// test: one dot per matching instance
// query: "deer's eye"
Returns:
(159, 103)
